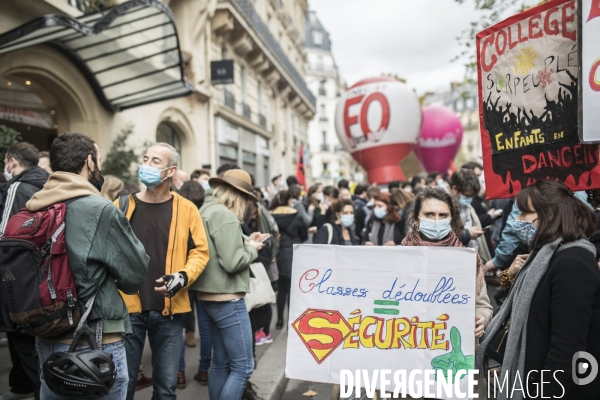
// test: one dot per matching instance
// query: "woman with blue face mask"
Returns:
(553, 307)
(385, 227)
(341, 232)
(436, 221)
(464, 186)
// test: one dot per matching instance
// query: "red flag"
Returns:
(300, 168)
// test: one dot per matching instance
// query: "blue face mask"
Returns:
(465, 201)
(205, 185)
(524, 230)
(150, 176)
(347, 220)
(434, 230)
(380, 213)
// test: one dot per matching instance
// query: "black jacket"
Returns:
(336, 238)
(291, 231)
(564, 318)
(17, 192)
(595, 239)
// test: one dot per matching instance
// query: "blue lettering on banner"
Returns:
(442, 294)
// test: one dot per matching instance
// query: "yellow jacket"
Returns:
(187, 251)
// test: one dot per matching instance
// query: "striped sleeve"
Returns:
(8, 205)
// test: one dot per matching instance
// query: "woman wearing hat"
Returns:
(225, 281)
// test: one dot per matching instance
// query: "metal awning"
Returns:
(129, 53)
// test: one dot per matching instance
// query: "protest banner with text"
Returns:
(528, 100)
(378, 308)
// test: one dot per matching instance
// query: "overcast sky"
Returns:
(415, 39)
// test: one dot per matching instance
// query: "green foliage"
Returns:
(8, 138)
(121, 158)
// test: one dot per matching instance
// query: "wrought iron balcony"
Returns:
(247, 10)
(262, 121)
(324, 147)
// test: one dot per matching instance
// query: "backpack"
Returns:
(267, 224)
(37, 290)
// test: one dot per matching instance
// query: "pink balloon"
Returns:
(440, 138)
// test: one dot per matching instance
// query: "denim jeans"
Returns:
(205, 343)
(117, 349)
(164, 334)
(232, 362)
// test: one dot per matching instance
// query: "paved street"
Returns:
(193, 391)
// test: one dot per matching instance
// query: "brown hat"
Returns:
(237, 178)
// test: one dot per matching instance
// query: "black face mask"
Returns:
(97, 182)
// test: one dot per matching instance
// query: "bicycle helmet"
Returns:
(86, 374)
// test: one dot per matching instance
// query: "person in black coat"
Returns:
(564, 313)
(24, 179)
(341, 232)
(292, 231)
(594, 200)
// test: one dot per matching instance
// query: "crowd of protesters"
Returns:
(175, 260)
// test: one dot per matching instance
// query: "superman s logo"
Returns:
(322, 331)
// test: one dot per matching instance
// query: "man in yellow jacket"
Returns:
(171, 230)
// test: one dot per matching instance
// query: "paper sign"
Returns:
(528, 96)
(411, 166)
(396, 308)
(589, 104)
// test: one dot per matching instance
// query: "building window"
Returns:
(322, 110)
(167, 133)
(312, 16)
(228, 154)
(243, 83)
(320, 63)
(322, 91)
(317, 38)
(259, 96)
(249, 162)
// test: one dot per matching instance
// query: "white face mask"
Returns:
(7, 175)
(320, 197)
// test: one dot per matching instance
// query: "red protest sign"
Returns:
(528, 95)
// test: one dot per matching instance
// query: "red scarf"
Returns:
(414, 239)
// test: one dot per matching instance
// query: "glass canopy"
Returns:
(129, 53)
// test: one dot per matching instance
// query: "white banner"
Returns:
(375, 308)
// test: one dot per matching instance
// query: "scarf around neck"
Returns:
(414, 239)
(388, 232)
(516, 307)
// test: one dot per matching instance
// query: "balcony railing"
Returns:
(324, 147)
(262, 121)
(246, 110)
(247, 10)
(338, 148)
(229, 99)
(322, 92)
(323, 118)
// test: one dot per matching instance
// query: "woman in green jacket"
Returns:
(225, 281)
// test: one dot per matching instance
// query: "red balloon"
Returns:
(378, 121)
(440, 138)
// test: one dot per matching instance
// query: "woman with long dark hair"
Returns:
(554, 303)
(291, 231)
(435, 221)
(341, 232)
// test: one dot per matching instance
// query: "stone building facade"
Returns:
(259, 121)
